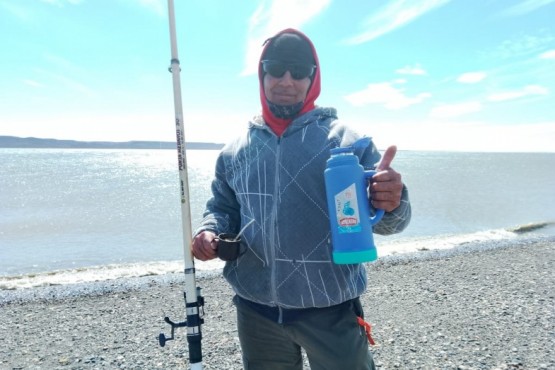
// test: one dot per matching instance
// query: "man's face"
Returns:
(285, 90)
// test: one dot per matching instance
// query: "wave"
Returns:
(526, 228)
(100, 273)
(104, 273)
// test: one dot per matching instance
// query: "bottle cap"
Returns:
(361, 143)
(341, 150)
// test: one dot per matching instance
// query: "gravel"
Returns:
(480, 306)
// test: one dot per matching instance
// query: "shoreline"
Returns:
(58, 291)
(474, 307)
(105, 278)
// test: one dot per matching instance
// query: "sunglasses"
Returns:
(298, 70)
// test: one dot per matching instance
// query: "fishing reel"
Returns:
(195, 317)
(162, 339)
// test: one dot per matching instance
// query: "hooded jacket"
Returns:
(279, 182)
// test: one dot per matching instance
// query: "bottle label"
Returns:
(346, 208)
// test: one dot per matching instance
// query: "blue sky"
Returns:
(473, 75)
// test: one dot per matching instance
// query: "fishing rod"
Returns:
(194, 301)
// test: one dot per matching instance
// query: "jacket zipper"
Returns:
(273, 225)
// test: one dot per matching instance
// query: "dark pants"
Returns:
(331, 337)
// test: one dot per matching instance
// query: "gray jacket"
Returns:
(279, 182)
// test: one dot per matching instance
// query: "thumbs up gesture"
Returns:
(386, 186)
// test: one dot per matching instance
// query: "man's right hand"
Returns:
(204, 246)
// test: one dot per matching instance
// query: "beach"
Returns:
(474, 307)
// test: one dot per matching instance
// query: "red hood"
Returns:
(279, 125)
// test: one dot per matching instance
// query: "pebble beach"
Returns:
(474, 307)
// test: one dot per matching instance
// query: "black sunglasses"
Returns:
(298, 70)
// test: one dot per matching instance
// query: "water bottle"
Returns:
(348, 205)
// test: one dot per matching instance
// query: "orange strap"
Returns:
(367, 329)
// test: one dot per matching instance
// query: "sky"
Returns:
(455, 75)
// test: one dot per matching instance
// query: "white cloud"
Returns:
(158, 7)
(63, 73)
(32, 83)
(395, 14)
(61, 3)
(267, 20)
(471, 77)
(415, 70)
(385, 94)
(529, 90)
(61, 63)
(455, 110)
(550, 54)
(63, 81)
(16, 9)
(525, 45)
(524, 7)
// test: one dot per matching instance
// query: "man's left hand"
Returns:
(386, 186)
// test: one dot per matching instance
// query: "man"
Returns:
(289, 293)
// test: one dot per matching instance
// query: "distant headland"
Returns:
(33, 142)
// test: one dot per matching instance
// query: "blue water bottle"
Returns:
(348, 205)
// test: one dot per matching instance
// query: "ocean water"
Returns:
(79, 215)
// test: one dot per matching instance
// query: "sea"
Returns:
(71, 216)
